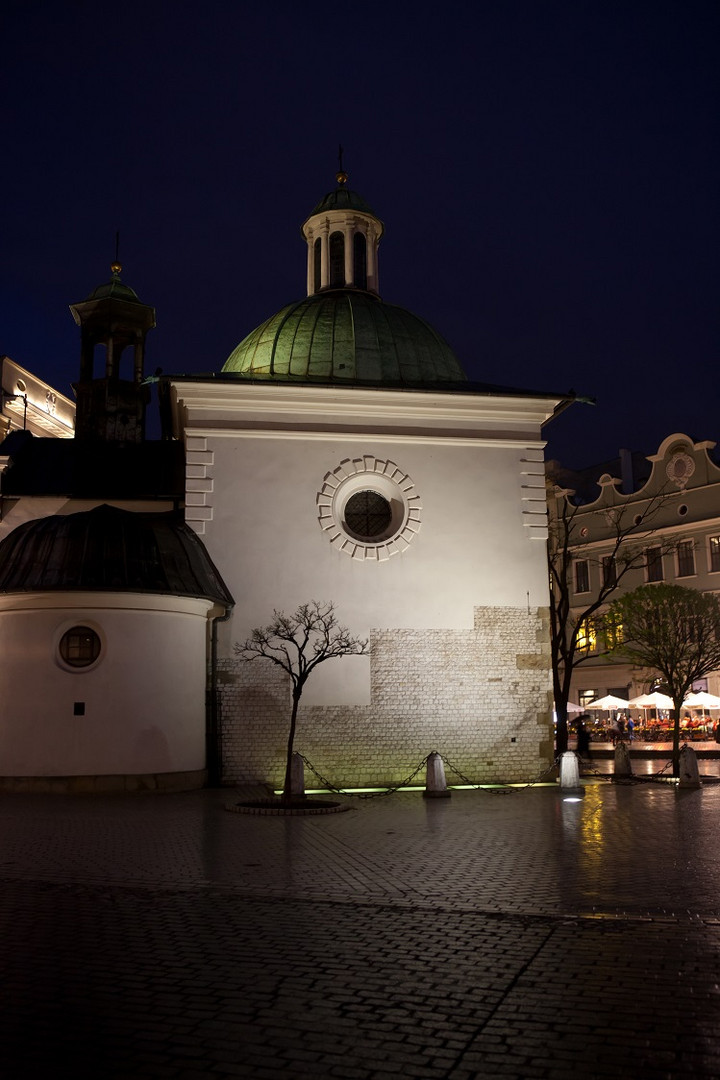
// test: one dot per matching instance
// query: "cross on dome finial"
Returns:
(115, 267)
(341, 176)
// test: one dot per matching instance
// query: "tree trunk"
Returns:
(561, 693)
(287, 786)
(676, 738)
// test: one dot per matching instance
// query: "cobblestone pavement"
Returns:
(478, 936)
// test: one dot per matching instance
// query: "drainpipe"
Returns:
(213, 742)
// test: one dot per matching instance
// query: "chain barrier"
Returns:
(633, 778)
(365, 794)
(501, 789)
(494, 789)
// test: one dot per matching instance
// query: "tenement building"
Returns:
(660, 516)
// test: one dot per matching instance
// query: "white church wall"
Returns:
(143, 699)
(453, 598)
(470, 547)
(481, 697)
(457, 621)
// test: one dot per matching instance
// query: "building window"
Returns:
(582, 576)
(586, 636)
(686, 558)
(654, 564)
(714, 554)
(79, 647)
(317, 264)
(337, 260)
(367, 515)
(609, 571)
(360, 261)
(613, 634)
(586, 696)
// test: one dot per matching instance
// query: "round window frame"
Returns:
(61, 634)
(386, 479)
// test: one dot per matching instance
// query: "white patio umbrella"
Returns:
(572, 707)
(651, 701)
(608, 703)
(701, 700)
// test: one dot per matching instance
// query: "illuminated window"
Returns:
(367, 515)
(686, 558)
(586, 636)
(586, 696)
(654, 564)
(360, 261)
(714, 554)
(79, 647)
(337, 260)
(613, 632)
(582, 576)
(317, 264)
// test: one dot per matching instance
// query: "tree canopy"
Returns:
(669, 630)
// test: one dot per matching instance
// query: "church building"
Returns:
(340, 455)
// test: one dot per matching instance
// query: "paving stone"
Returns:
(165, 937)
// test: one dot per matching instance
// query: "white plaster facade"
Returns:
(453, 599)
(137, 713)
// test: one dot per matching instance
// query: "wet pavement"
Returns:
(484, 935)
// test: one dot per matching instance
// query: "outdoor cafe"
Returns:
(651, 716)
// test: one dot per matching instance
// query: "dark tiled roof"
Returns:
(110, 550)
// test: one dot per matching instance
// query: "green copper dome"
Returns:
(346, 336)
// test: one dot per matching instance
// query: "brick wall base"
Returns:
(480, 697)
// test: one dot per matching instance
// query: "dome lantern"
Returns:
(343, 235)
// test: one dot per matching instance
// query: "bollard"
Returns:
(689, 775)
(297, 777)
(435, 786)
(623, 765)
(569, 772)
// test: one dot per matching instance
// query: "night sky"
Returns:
(547, 174)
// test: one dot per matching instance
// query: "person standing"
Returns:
(583, 737)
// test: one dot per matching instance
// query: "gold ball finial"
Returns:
(115, 268)
(341, 177)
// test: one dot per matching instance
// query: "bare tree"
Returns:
(669, 630)
(623, 550)
(298, 643)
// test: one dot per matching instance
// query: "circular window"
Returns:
(369, 508)
(367, 515)
(79, 647)
(21, 387)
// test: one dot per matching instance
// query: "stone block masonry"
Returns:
(480, 697)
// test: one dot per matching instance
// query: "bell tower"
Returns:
(111, 403)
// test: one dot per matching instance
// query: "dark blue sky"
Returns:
(547, 174)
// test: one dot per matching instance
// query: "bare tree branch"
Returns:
(298, 643)
(622, 552)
